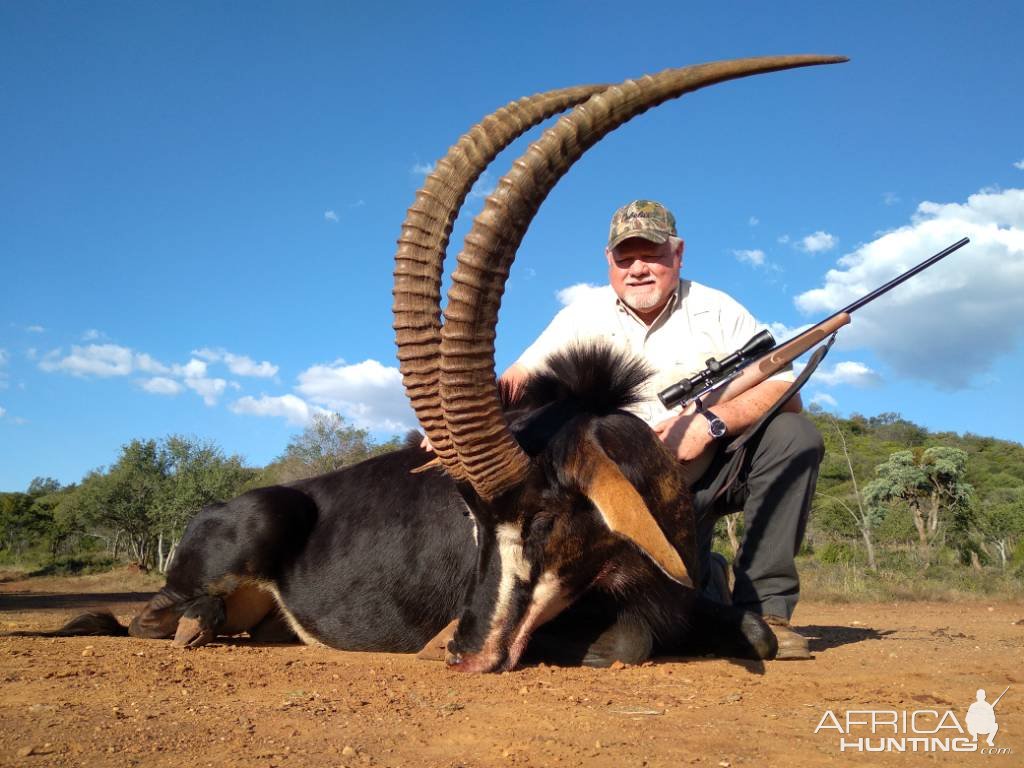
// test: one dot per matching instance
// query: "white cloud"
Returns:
(368, 393)
(1019, 165)
(3, 411)
(422, 169)
(331, 216)
(782, 332)
(160, 385)
(817, 242)
(951, 322)
(482, 188)
(847, 372)
(148, 364)
(108, 360)
(208, 389)
(783, 239)
(102, 360)
(754, 257)
(193, 369)
(824, 399)
(358, 204)
(753, 221)
(890, 198)
(35, 329)
(92, 335)
(574, 293)
(294, 409)
(240, 365)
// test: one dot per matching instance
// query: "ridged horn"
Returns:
(491, 458)
(424, 239)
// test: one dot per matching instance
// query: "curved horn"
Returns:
(424, 240)
(488, 452)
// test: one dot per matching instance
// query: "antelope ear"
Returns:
(624, 511)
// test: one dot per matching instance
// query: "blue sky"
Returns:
(199, 202)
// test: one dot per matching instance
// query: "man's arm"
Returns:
(687, 434)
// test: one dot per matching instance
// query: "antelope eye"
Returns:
(541, 526)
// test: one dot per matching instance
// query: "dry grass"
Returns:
(847, 583)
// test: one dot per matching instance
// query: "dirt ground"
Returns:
(126, 702)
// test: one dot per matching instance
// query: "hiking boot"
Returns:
(792, 645)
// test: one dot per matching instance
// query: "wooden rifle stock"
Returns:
(753, 374)
(775, 360)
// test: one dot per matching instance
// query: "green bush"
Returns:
(841, 553)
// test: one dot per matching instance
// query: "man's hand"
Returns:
(425, 444)
(686, 435)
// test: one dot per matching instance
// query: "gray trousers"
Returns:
(772, 482)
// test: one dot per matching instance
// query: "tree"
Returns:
(125, 498)
(19, 525)
(197, 474)
(865, 517)
(930, 482)
(327, 444)
(40, 486)
(1000, 521)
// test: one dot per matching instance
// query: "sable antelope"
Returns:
(556, 523)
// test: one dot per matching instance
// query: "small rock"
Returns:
(733, 697)
(598, 744)
(26, 751)
(348, 751)
(618, 665)
(88, 652)
(724, 764)
(523, 691)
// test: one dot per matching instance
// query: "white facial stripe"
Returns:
(548, 601)
(510, 547)
(513, 567)
(476, 525)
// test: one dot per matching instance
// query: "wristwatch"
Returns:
(716, 427)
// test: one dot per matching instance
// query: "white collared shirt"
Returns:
(696, 324)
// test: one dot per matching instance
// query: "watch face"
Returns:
(717, 427)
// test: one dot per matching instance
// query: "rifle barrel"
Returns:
(905, 276)
(1000, 696)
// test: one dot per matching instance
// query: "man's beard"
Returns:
(642, 299)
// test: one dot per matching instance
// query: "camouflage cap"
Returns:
(642, 218)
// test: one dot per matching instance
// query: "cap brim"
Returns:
(655, 237)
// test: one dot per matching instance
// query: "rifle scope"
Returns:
(717, 370)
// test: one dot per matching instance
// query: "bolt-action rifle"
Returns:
(760, 357)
